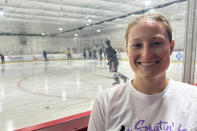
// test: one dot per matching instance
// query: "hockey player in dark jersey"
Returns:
(45, 55)
(2, 58)
(111, 57)
(113, 63)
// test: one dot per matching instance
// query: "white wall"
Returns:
(15, 45)
(21, 45)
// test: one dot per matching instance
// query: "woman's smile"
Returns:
(147, 63)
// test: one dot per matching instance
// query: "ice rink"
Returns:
(37, 92)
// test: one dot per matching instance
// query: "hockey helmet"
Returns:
(107, 42)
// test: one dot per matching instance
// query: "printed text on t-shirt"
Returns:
(160, 126)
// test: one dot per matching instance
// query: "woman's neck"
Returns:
(150, 86)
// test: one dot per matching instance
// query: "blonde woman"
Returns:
(150, 101)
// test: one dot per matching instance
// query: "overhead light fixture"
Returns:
(89, 20)
(60, 29)
(1, 13)
(98, 30)
(75, 34)
(148, 2)
(43, 34)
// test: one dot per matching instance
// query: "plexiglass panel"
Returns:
(35, 90)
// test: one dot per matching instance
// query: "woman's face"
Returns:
(148, 49)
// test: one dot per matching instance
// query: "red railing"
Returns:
(78, 122)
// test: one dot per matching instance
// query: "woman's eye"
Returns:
(138, 45)
(156, 43)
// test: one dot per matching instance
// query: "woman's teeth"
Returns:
(148, 63)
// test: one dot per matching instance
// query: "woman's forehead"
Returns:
(143, 26)
(147, 29)
(149, 22)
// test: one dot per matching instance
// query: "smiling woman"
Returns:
(149, 51)
(150, 100)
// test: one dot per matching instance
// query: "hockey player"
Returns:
(2, 58)
(113, 63)
(45, 55)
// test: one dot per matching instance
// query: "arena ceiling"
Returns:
(78, 17)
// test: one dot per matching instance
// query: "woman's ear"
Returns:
(127, 49)
(172, 47)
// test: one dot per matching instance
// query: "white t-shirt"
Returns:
(173, 109)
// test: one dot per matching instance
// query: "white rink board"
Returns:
(176, 56)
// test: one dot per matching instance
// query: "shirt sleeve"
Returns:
(97, 117)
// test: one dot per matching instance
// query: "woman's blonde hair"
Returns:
(150, 16)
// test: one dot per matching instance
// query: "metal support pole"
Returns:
(190, 43)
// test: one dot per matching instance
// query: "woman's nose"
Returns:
(146, 53)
